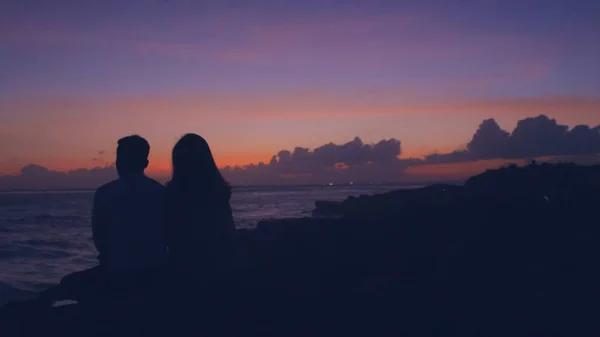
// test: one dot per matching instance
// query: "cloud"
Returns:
(533, 137)
(378, 162)
(38, 177)
(355, 161)
(352, 161)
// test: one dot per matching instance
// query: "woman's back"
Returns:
(199, 229)
(199, 221)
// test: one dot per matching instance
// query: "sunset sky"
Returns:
(256, 77)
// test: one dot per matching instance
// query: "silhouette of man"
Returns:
(126, 219)
(126, 227)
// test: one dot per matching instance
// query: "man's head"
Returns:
(132, 155)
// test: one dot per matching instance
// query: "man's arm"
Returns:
(98, 226)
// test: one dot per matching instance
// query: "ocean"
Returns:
(45, 235)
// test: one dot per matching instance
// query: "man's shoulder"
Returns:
(107, 188)
(154, 184)
(117, 186)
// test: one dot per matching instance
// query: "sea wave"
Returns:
(60, 244)
(21, 251)
(10, 293)
(61, 219)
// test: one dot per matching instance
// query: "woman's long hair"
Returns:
(199, 219)
(195, 170)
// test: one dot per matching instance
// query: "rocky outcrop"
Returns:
(513, 252)
(558, 183)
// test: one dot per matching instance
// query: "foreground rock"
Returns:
(513, 252)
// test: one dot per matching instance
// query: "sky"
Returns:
(258, 77)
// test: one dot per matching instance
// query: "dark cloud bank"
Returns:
(355, 161)
(533, 137)
(35, 176)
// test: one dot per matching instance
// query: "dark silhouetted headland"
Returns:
(511, 185)
(512, 252)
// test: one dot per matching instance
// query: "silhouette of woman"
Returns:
(199, 221)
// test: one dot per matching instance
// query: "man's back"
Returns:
(127, 224)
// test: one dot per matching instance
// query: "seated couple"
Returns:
(144, 231)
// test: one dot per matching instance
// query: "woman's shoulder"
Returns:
(217, 194)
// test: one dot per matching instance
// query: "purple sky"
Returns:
(255, 77)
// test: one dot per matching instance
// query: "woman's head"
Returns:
(193, 163)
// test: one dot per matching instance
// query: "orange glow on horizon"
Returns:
(158, 165)
(421, 152)
(457, 170)
(258, 127)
